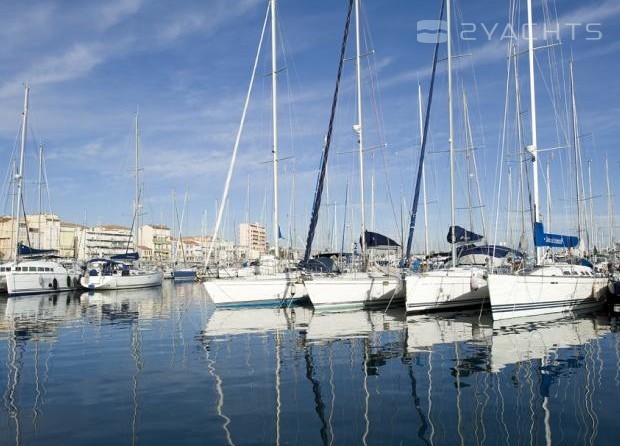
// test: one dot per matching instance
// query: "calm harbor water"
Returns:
(163, 366)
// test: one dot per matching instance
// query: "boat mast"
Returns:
(594, 237)
(532, 149)
(137, 197)
(19, 176)
(451, 137)
(576, 149)
(610, 216)
(274, 111)
(358, 127)
(40, 194)
(426, 251)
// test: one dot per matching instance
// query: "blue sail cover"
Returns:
(25, 250)
(126, 256)
(374, 239)
(497, 251)
(553, 240)
(462, 235)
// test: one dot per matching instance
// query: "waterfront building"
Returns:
(105, 241)
(43, 232)
(253, 236)
(155, 243)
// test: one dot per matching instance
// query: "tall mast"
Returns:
(451, 137)
(358, 126)
(137, 197)
(40, 193)
(533, 148)
(521, 139)
(594, 237)
(274, 110)
(426, 251)
(20, 174)
(575, 149)
(610, 212)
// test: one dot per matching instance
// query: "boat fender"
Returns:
(475, 282)
(293, 290)
(54, 284)
(68, 282)
(76, 281)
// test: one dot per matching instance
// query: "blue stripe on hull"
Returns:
(558, 305)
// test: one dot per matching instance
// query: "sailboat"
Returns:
(549, 287)
(182, 273)
(120, 271)
(358, 289)
(33, 270)
(459, 286)
(276, 288)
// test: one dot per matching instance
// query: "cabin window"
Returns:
(18, 268)
(1, 269)
(49, 269)
(566, 273)
(40, 268)
(575, 273)
(33, 268)
(8, 268)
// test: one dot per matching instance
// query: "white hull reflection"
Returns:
(425, 332)
(539, 338)
(242, 321)
(337, 326)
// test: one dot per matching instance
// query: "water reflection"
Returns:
(124, 306)
(30, 326)
(519, 379)
(154, 365)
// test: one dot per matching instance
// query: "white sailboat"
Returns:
(278, 288)
(460, 286)
(357, 289)
(33, 270)
(120, 271)
(182, 273)
(549, 287)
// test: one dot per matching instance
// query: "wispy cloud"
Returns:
(74, 62)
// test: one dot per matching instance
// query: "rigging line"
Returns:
(236, 146)
(379, 118)
(500, 158)
(319, 187)
(416, 196)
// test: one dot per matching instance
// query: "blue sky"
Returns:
(186, 65)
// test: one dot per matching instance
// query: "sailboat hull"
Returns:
(355, 291)
(276, 290)
(117, 282)
(447, 290)
(184, 275)
(39, 276)
(548, 290)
